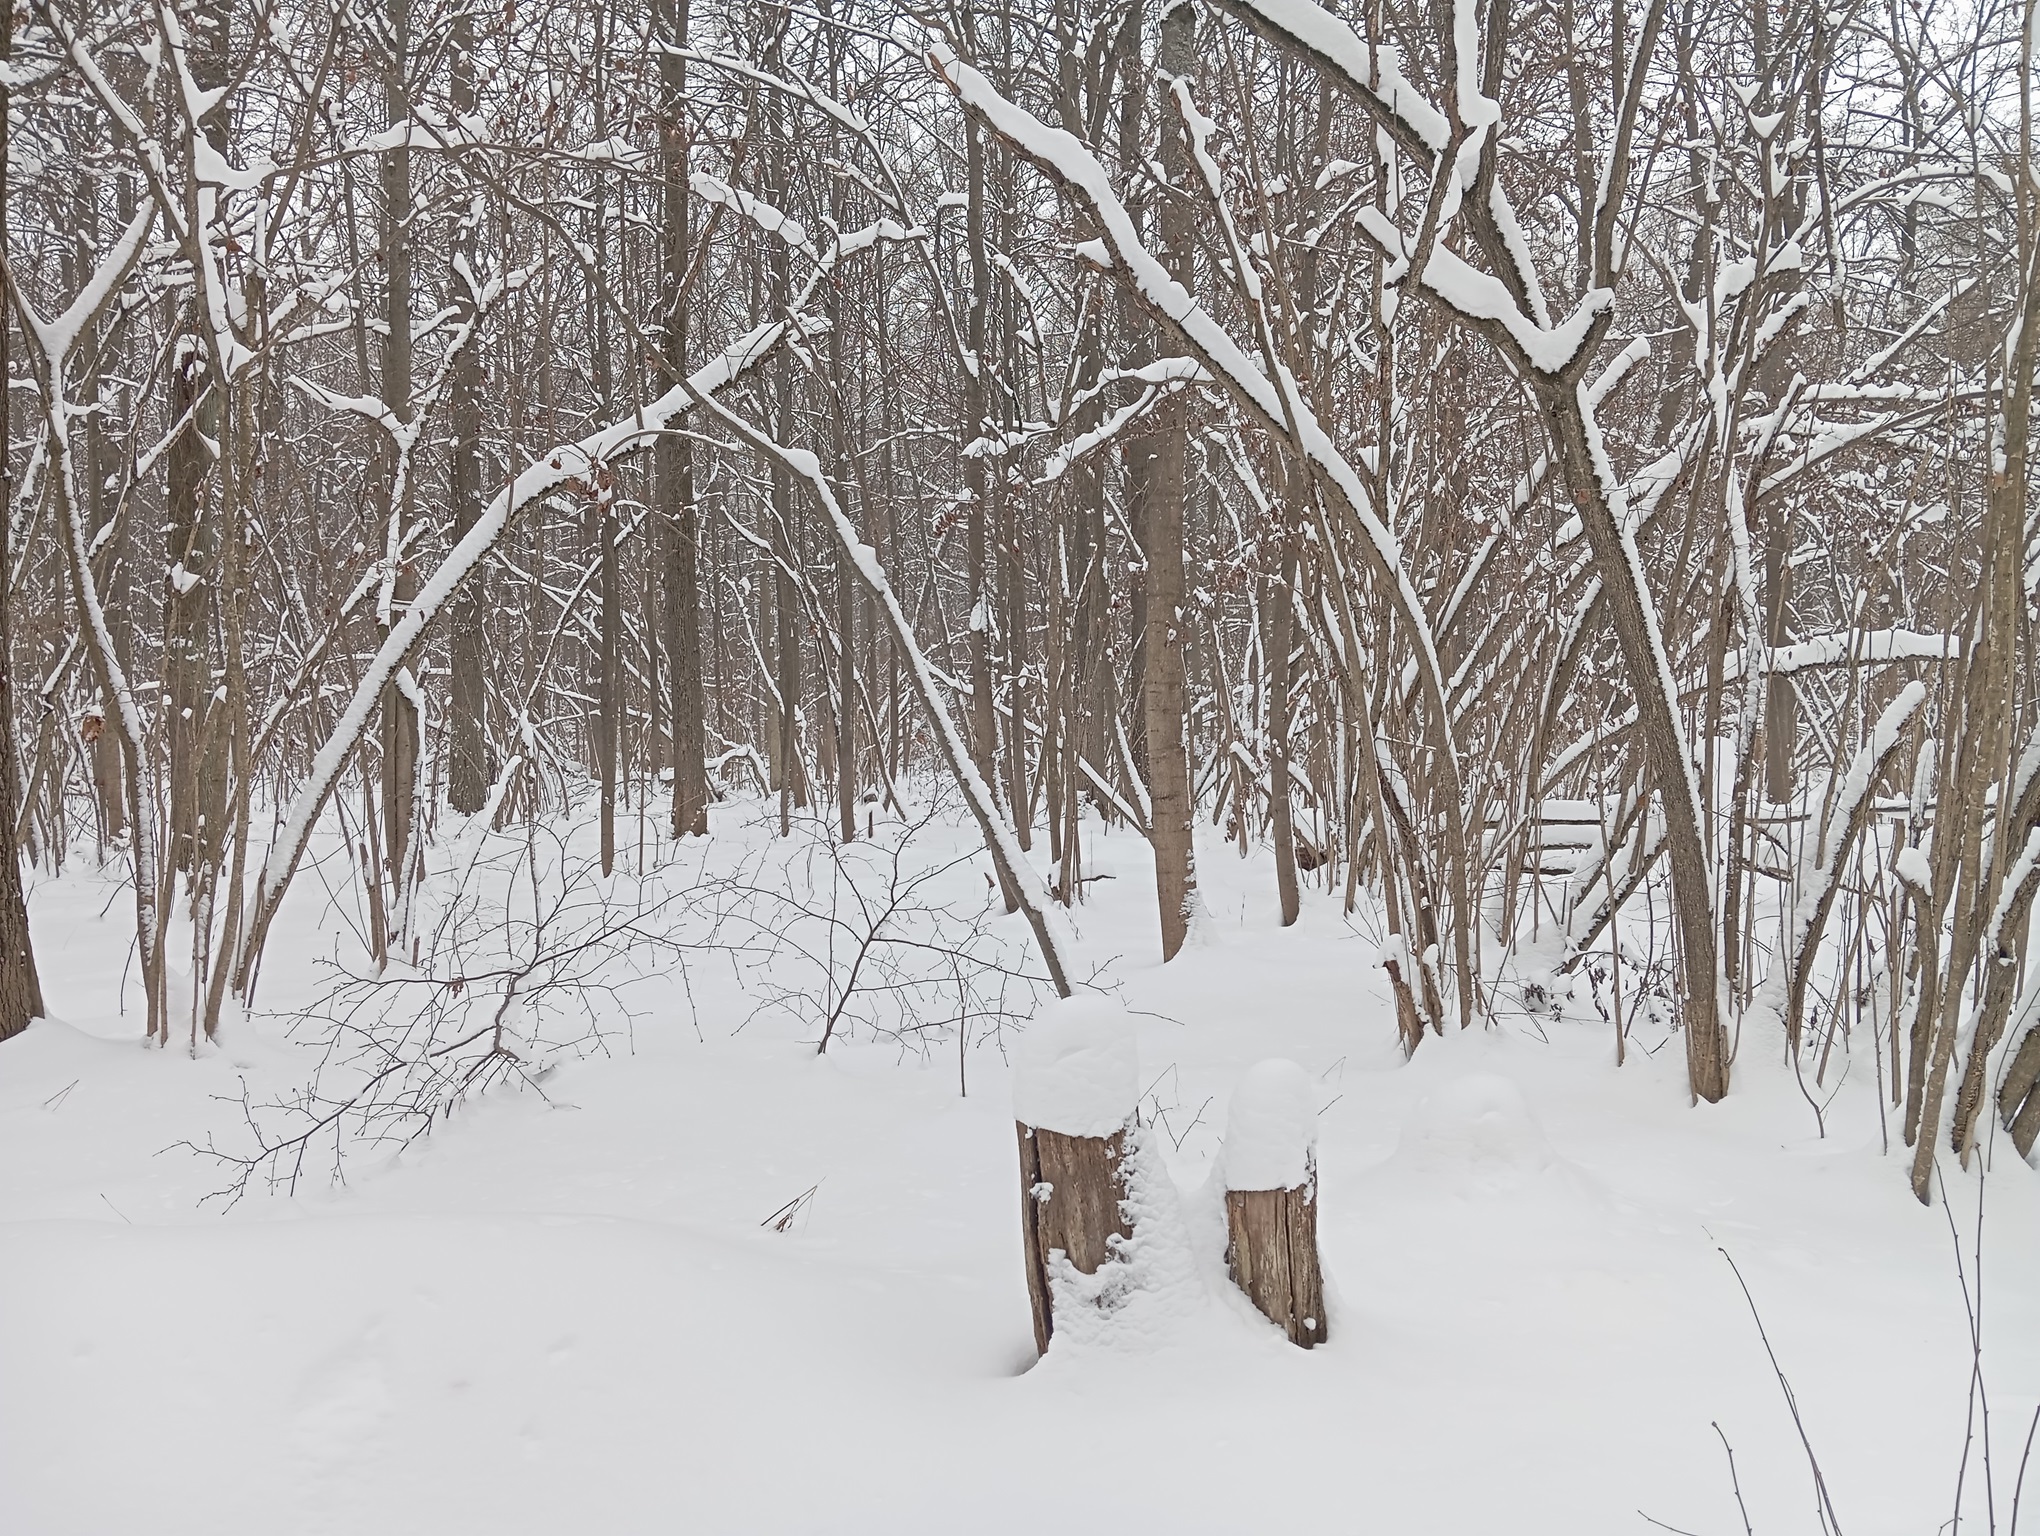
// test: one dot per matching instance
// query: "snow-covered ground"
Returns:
(567, 1310)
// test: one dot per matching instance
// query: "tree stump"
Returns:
(1075, 1086)
(1070, 1192)
(1270, 1167)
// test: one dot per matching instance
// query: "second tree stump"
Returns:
(1270, 1168)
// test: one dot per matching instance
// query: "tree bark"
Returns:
(1281, 637)
(675, 459)
(20, 987)
(1165, 686)
(1070, 1193)
(1271, 1251)
(468, 766)
(399, 714)
(197, 782)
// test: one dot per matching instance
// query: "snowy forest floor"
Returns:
(570, 1310)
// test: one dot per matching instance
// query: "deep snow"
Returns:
(568, 1312)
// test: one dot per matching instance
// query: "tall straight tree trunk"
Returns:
(468, 767)
(1165, 686)
(675, 458)
(846, 594)
(1281, 637)
(609, 661)
(399, 714)
(976, 477)
(108, 772)
(785, 547)
(20, 987)
(191, 537)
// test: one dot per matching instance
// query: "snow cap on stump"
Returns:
(1270, 1128)
(1075, 1070)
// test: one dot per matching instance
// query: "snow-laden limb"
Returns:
(1848, 646)
(1373, 74)
(810, 94)
(1300, 428)
(1477, 296)
(1019, 877)
(713, 189)
(1997, 933)
(1133, 815)
(1276, 404)
(53, 343)
(1819, 878)
(566, 463)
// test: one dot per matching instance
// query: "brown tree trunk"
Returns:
(191, 537)
(2019, 1095)
(1164, 692)
(399, 715)
(675, 456)
(1664, 746)
(977, 480)
(1281, 636)
(20, 987)
(468, 767)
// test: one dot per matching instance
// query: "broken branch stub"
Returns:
(1075, 1085)
(1270, 1169)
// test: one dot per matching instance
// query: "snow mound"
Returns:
(1076, 1070)
(1270, 1128)
(1478, 1132)
(1154, 1294)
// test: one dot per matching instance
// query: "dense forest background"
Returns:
(1543, 469)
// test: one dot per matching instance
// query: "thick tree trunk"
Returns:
(1281, 636)
(197, 778)
(20, 987)
(399, 714)
(1165, 686)
(2019, 1095)
(468, 767)
(675, 458)
(1664, 744)
(977, 478)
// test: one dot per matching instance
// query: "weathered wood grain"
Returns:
(1070, 1193)
(1271, 1249)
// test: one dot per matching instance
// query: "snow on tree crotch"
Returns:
(1270, 1170)
(1075, 1084)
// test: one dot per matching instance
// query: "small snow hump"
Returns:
(1479, 1129)
(1076, 1070)
(1270, 1128)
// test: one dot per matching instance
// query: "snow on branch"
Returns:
(1279, 408)
(567, 463)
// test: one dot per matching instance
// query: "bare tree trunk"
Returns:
(977, 480)
(20, 987)
(192, 538)
(399, 713)
(786, 596)
(468, 768)
(1164, 691)
(674, 466)
(1281, 637)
